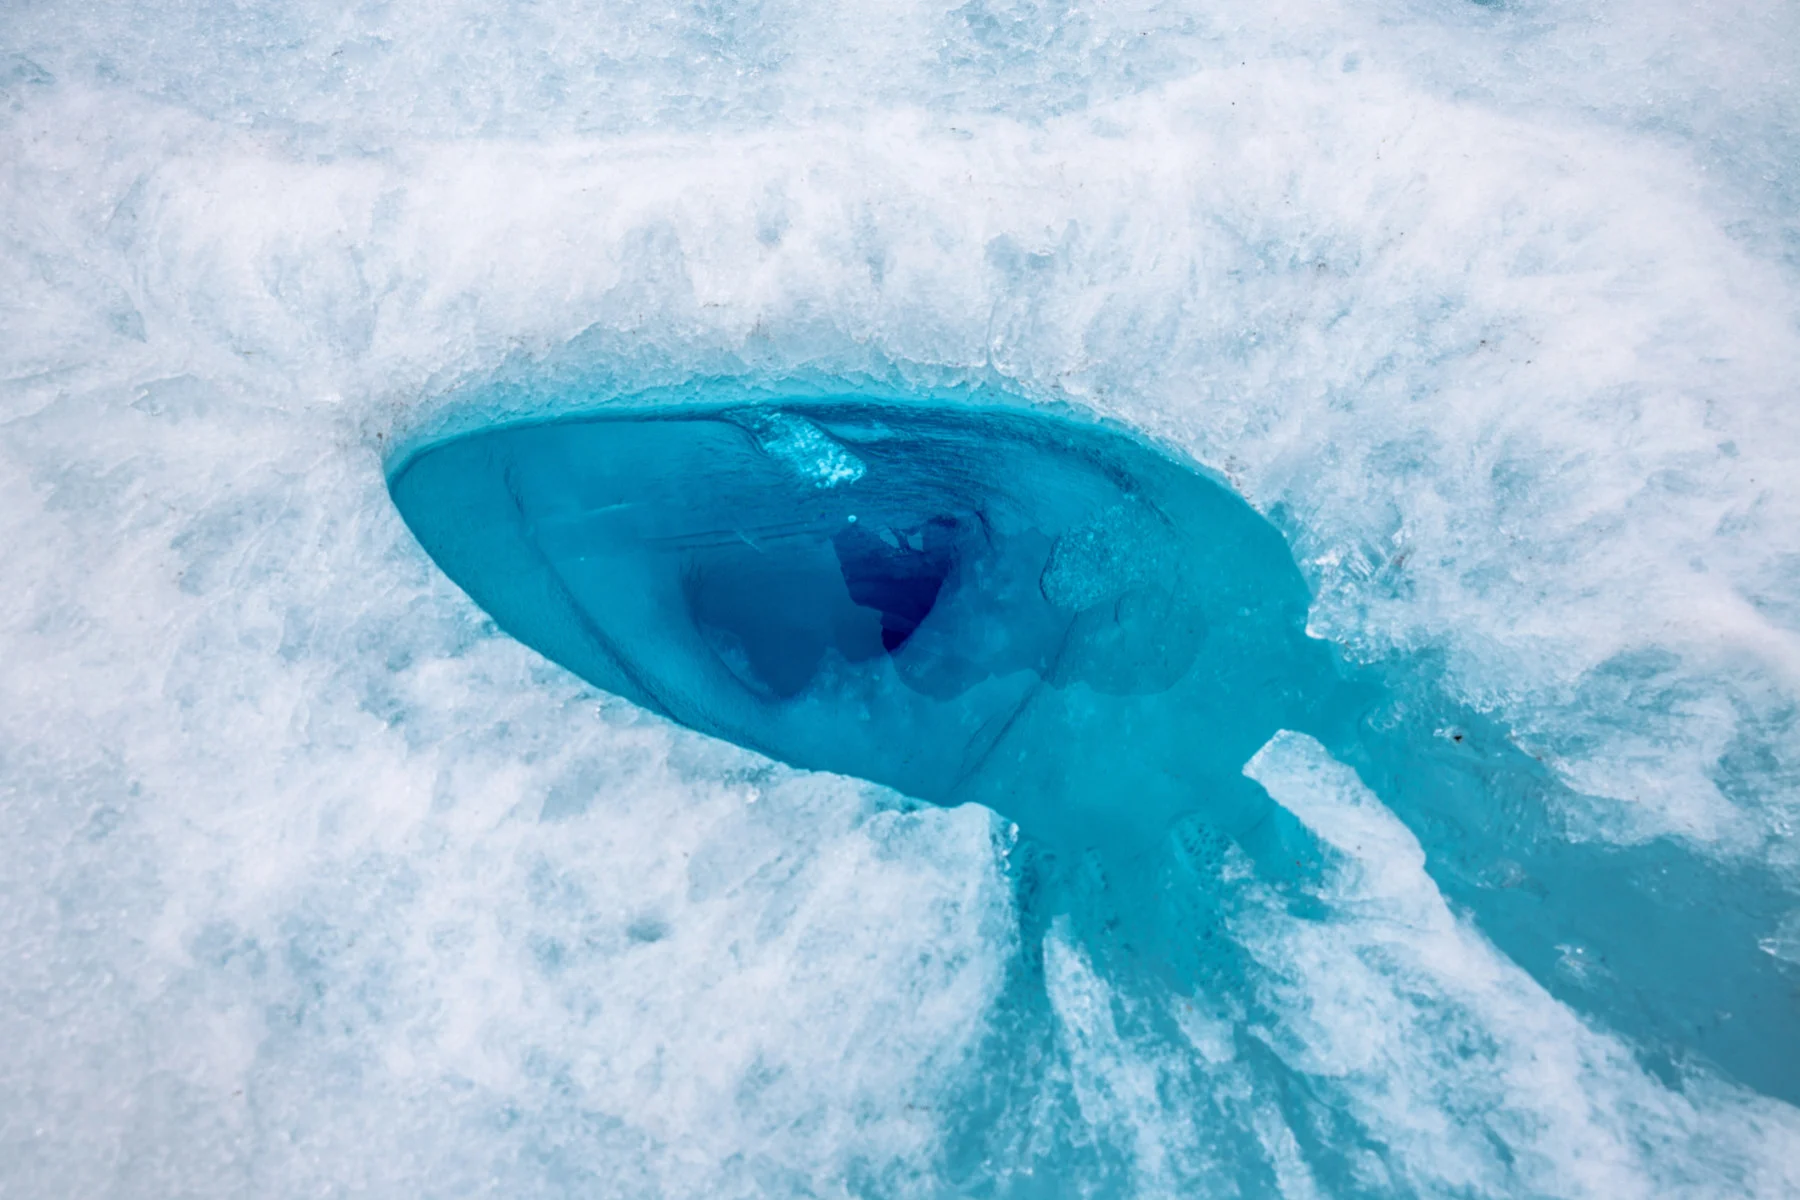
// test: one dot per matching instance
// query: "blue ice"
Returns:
(975, 602)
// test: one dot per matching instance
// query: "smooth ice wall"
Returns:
(1490, 309)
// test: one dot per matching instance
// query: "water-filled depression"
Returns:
(1062, 623)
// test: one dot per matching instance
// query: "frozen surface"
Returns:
(315, 882)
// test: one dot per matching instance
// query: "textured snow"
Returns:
(314, 883)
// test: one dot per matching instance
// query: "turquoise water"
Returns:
(1058, 621)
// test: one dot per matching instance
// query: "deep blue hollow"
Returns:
(1060, 622)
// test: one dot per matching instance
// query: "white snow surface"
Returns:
(313, 883)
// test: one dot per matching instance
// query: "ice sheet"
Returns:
(313, 881)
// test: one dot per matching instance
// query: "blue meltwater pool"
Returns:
(1059, 621)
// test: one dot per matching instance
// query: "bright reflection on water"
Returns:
(1063, 624)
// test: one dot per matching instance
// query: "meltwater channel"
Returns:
(970, 601)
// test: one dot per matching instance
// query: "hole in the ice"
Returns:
(773, 609)
(896, 572)
(961, 603)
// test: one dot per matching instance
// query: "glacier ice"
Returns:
(315, 882)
